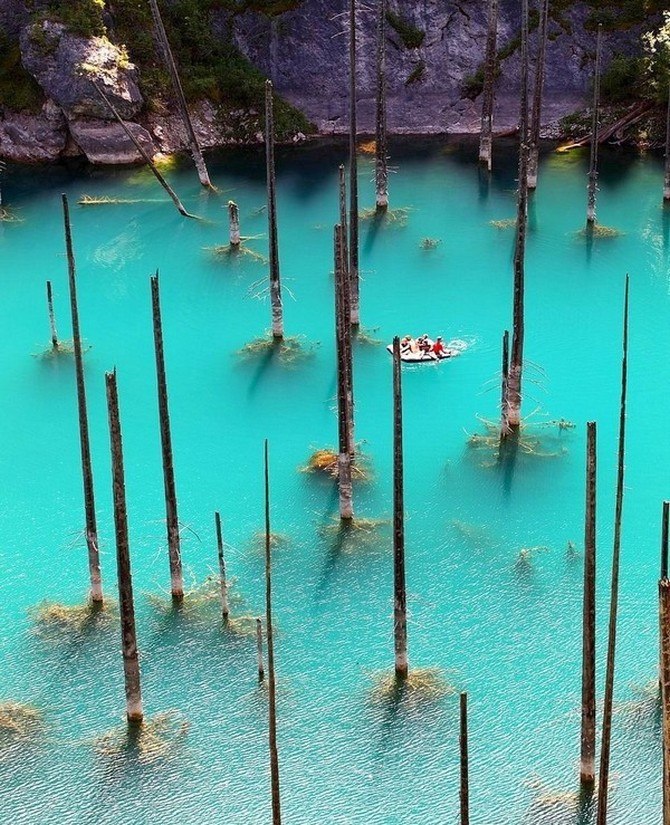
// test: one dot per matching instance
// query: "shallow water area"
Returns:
(506, 630)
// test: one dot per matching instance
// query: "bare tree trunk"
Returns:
(666, 181)
(342, 330)
(131, 665)
(399, 589)
(605, 747)
(505, 367)
(52, 317)
(194, 146)
(664, 608)
(272, 709)
(488, 93)
(143, 152)
(465, 765)
(595, 123)
(234, 223)
(536, 118)
(223, 581)
(173, 538)
(587, 770)
(84, 441)
(511, 413)
(381, 145)
(353, 173)
(347, 309)
(275, 281)
(259, 649)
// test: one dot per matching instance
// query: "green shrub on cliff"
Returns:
(19, 91)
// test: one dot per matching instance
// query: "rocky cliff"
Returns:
(435, 48)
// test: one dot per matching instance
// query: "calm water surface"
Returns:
(508, 634)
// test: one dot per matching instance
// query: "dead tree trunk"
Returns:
(587, 769)
(347, 312)
(399, 589)
(511, 413)
(194, 146)
(131, 665)
(342, 330)
(173, 538)
(84, 441)
(354, 280)
(52, 317)
(275, 282)
(664, 666)
(505, 367)
(259, 649)
(234, 223)
(272, 708)
(465, 765)
(595, 122)
(223, 581)
(603, 778)
(536, 117)
(488, 92)
(666, 181)
(143, 152)
(381, 144)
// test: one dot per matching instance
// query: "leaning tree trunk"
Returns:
(194, 146)
(381, 146)
(488, 95)
(595, 122)
(275, 281)
(536, 118)
(511, 412)
(353, 173)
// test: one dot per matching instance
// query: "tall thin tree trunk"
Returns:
(131, 665)
(173, 538)
(488, 92)
(605, 747)
(347, 308)
(143, 152)
(536, 117)
(595, 123)
(272, 708)
(275, 281)
(511, 413)
(399, 589)
(223, 580)
(587, 769)
(194, 146)
(381, 145)
(342, 330)
(465, 762)
(353, 173)
(666, 180)
(84, 441)
(52, 317)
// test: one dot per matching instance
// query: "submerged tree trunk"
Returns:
(347, 309)
(52, 317)
(399, 588)
(603, 778)
(536, 118)
(275, 281)
(664, 660)
(595, 122)
(511, 412)
(194, 146)
(587, 767)
(223, 579)
(381, 146)
(488, 92)
(342, 330)
(84, 440)
(234, 223)
(353, 173)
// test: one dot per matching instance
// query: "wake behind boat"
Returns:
(423, 350)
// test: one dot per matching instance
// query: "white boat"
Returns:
(409, 357)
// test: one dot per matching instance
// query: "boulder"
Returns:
(28, 138)
(105, 143)
(65, 64)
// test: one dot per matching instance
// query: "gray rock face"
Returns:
(33, 138)
(106, 143)
(63, 64)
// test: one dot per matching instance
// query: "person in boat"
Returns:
(438, 349)
(414, 345)
(425, 343)
(405, 344)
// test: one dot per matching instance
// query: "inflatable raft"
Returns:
(425, 357)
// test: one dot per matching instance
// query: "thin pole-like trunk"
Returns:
(511, 413)
(223, 581)
(52, 316)
(143, 152)
(234, 223)
(505, 366)
(465, 772)
(275, 281)
(259, 649)
(173, 538)
(272, 707)
(381, 144)
(347, 308)
(595, 123)
(354, 280)
(131, 665)
(587, 767)
(664, 664)
(605, 747)
(488, 92)
(194, 146)
(342, 329)
(84, 441)
(536, 117)
(666, 180)
(399, 589)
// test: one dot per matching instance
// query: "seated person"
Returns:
(424, 343)
(438, 349)
(405, 344)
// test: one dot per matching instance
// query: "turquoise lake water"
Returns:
(508, 634)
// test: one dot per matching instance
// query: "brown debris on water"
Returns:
(61, 621)
(422, 685)
(391, 217)
(354, 534)
(429, 243)
(18, 722)
(287, 351)
(505, 223)
(326, 461)
(156, 739)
